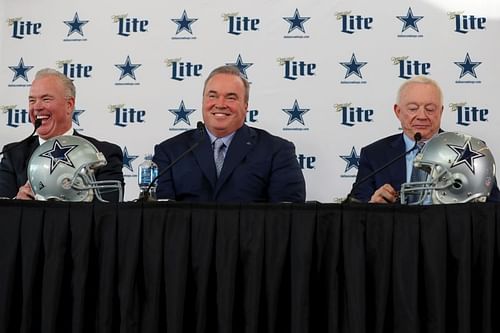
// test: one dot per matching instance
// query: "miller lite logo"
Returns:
(15, 116)
(125, 116)
(466, 23)
(409, 68)
(129, 25)
(352, 115)
(21, 29)
(74, 71)
(468, 114)
(238, 24)
(183, 69)
(352, 23)
(306, 162)
(293, 69)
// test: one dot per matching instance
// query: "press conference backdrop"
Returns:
(324, 74)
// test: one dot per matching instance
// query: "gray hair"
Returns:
(69, 87)
(421, 80)
(233, 70)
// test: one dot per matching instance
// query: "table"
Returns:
(186, 267)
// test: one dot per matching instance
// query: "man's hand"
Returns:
(25, 192)
(385, 194)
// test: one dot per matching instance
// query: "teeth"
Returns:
(42, 117)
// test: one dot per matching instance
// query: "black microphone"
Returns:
(145, 195)
(417, 137)
(38, 123)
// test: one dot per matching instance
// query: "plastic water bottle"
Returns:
(148, 170)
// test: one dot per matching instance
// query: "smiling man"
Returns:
(232, 162)
(52, 100)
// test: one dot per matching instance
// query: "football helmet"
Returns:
(63, 168)
(460, 169)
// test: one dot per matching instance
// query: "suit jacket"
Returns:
(258, 167)
(377, 154)
(14, 165)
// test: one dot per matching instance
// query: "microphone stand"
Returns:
(417, 137)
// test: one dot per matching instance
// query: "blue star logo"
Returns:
(75, 25)
(20, 70)
(409, 20)
(184, 23)
(352, 160)
(182, 113)
(127, 159)
(128, 68)
(295, 113)
(468, 66)
(296, 21)
(242, 66)
(465, 155)
(76, 116)
(59, 155)
(353, 67)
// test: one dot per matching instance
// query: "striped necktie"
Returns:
(219, 148)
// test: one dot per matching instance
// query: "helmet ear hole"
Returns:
(457, 184)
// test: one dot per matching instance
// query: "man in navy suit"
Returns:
(419, 108)
(256, 166)
(52, 100)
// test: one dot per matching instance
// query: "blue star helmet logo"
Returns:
(76, 116)
(296, 21)
(465, 155)
(353, 67)
(182, 113)
(59, 155)
(75, 25)
(184, 23)
(242, 66)
(128, 68)
(20, 70)
(127, 159)
(295, 113)
(468, 66)
(352, 160)
(409, 20)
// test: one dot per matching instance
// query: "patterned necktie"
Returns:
(417, 175)
(219, 148)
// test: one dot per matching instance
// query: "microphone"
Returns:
(417, 137)
(38, 123)
(201, 128)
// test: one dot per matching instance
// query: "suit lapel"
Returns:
(243, 142)
(398, 169)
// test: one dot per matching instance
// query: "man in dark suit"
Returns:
(52, 100)
(255, 166)
(419, 108)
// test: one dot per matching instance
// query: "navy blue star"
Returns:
(184, 23)
(128, 68)
(353, 67)
(76, 116)
(20, 70)
(242, 66)
(127, 159)
(465, 155)
(296, 21)
(59, 154)
(295, 113)
(75, 25)
(468, 66)
(409, 20)
(182, 113)
(352, 160)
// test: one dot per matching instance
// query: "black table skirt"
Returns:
(179, 267)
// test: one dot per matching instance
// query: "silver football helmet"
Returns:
(63, 168)
(460, 169)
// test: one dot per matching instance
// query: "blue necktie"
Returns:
(219, 148)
